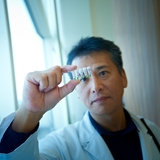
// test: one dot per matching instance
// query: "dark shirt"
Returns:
(11, 139)
(124, 144)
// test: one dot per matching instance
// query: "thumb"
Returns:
(68, 88)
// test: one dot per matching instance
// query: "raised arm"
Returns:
(40, 94)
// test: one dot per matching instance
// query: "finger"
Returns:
(59, 79)
(40, 80)
(57, 72)
(43, 82)
(59, 75)
(52, 81)
(68, 68)
(68, 88)
(54, 78)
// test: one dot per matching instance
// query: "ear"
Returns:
(124, 78)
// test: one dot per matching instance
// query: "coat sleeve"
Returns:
(27, 150)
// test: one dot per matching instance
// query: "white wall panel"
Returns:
(8, 102)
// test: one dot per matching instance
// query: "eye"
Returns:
(103, 73)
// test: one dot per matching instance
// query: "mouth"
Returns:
(100, 99)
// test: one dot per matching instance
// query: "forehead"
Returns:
(93, 60)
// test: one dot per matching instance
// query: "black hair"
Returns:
(88, 45)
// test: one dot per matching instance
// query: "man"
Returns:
(107, 131)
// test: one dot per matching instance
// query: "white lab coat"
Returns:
(79, 141)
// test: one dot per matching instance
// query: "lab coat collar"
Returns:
(149, 150)
(91, 139)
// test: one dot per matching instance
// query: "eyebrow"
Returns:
(101, 67)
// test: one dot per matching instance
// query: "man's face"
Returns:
(102, 93)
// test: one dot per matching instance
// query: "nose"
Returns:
(96, 84)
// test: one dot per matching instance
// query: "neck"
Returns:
(113, 122)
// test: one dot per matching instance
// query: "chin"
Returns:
(102, 110)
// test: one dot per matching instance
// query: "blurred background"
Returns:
(38, 34)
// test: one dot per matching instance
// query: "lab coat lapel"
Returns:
(145, 141)
(92, 142)
(98, 148)
(149, 150)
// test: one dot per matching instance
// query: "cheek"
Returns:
(116, 87)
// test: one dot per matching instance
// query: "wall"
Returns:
(102, 18)
(137, 32)
(74, 22)
(8, 99)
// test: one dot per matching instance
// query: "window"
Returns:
(27, 45)
(28, 52)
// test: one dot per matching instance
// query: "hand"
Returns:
(41, 91)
